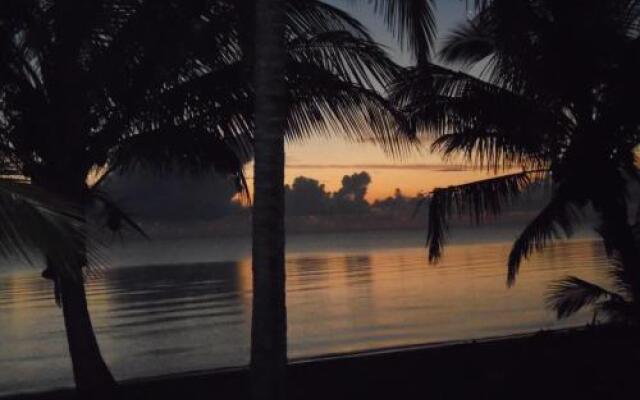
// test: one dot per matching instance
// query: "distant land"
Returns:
(182, 205)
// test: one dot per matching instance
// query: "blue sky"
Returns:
(448, 14)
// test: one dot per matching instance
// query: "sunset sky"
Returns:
(329, 159)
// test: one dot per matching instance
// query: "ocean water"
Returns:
(177, 305)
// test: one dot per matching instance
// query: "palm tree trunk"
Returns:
(91, 374)
(269, 319)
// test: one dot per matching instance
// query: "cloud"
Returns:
(172, 196)
(306, 196)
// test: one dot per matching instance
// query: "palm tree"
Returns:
(36, 223)
(117, 85)
(94, 87)
(269, 316)
(413, 21)
(555, 98)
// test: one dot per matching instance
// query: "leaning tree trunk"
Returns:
(269, 320)
(91, 375)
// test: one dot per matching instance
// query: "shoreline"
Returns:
(388, 367)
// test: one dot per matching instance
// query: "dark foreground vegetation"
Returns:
(593, 363)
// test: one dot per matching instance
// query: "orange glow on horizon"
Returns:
(329, 159)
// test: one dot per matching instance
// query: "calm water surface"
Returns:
(170, 306)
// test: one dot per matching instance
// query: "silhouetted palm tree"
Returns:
(413, 21)
(269, 315)
(102, 86)
(555, 98)
(113, 85)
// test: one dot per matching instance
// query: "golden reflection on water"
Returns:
(391, 298)
(157, 319)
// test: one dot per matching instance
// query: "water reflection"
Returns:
(159, 318)
(358, 269)
(177, 315)
(168, 289)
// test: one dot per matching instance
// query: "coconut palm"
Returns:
(116, 85)
(85, 88)
(554, 98)
(413, 22)
(269, 315)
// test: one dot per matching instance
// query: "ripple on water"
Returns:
(158, 319)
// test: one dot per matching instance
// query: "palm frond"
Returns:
(623, 276)
(116, 218)
(619, 310)
(323, 103)
(491, 126)
(569, 295)
(559, 215)
(35, 222)
(314, 16)
(412, 22)
(467, 45)
(621, 244)
(351, 58)
(167, 148)
(479, 200)
(479, 4)
(145, 36)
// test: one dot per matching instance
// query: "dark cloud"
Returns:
(306, 196)
(173, 196)
(350, 199)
